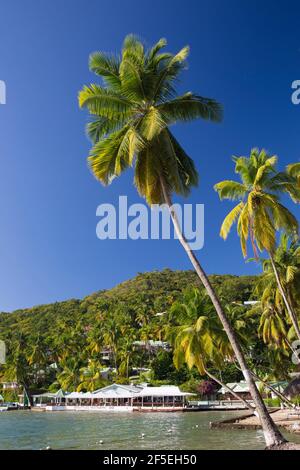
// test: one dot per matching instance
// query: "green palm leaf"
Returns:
(230, 219)
(131, 113)
(230, 190)
(106, 66)
(103, 102)
(189, 107)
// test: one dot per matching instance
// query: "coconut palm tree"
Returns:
(37, 356)
(125, 352)
(259, 213)
(132, 112)
(69, 377)
(90, 377)
(272, 327)
(17, 367)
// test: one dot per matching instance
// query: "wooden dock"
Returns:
(217, 405)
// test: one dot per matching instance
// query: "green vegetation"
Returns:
(62, 344)
(260, 214)
(73, 334)
(131, 113)
(212, 334)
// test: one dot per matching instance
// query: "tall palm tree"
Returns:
(17, 367)
(69, 377)
(37, 356)
(259, 213)
(125, 352)
(132, 113)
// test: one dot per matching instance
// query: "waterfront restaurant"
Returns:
(116, 397)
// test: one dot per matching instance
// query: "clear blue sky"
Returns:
(243, 53)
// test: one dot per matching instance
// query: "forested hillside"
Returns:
(148, 293)
(72, 334)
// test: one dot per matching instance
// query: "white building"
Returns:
(10, 385)
(117, 397)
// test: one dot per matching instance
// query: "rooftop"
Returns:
(122, 391)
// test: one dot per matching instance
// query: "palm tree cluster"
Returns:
(68, 345)
(131, 114)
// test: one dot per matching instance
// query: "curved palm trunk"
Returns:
(272, 389)
(276, 392)
(251, 408)
(294, 351)
(272, 435)
(290, 310)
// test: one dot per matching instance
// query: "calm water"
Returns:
(79, 430)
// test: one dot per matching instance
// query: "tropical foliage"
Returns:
(259, 213)
(64, 344)
(132, 111)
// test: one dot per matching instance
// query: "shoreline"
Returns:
(284, 419)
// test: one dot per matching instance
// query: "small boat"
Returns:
(9, 406)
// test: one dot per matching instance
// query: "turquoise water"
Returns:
(82, 430)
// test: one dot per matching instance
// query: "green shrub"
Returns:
(273, 402)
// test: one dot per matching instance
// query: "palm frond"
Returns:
(294, 169)
(103, 102)
(243, 168)
(133, 48)
(264, 230)
(264, 169)
(171, 69)
(291, 271)
(230, 190)
(152, 124)
(131, 144)
(189, 107)
(155, 49)
(185, 166)
(243, 228)
(105, 160)
(107, 67)
(146, 177)
(100, 127)
(230, 219)
(284, 219)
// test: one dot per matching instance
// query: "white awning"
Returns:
(116, 391)
(163, 391)
(75, 395)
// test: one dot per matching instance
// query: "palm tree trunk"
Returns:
(251, 408)
(290, 310)
(276, 392)
(272, 389)
(272, 434)
(127, 366)
(294, 351)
